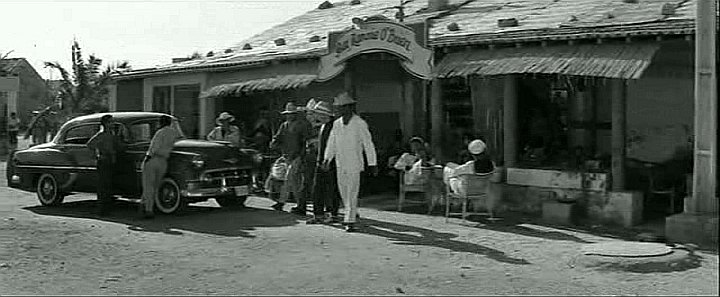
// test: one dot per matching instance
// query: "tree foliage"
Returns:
(84, 88)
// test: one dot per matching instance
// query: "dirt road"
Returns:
(208, 250)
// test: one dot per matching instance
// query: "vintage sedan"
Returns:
(197, 169)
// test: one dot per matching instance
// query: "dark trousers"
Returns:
(13, 137)
(105, 184)
(326, 197)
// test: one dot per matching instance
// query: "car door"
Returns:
(81, 160)
(137, 140)
(127, 169)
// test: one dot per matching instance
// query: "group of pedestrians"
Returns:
(323, 156)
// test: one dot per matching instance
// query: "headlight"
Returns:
(198, 161)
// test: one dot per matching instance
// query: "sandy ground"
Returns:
(208, 250)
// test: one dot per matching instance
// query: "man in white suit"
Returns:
(348, 139)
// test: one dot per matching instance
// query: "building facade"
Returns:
(581, 101)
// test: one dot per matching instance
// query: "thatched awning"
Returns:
(281, 82)
(625, 61)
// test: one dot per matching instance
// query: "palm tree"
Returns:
(85, 89)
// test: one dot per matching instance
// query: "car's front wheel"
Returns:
(48, 190)
(231, 202)
(169, 200)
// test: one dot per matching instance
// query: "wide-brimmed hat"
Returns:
(290, 108)
(343, 99)
(224, 116)
(417, 139)
(323, 107)
(310, 106)
(476, 147)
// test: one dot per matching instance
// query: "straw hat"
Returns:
(344, 99)
(224, 116)
(290, 108)
(323, 107)
(476, 147)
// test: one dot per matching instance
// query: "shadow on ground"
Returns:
(199, 219)
(411, 235)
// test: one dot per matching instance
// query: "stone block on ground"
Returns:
(560, 213)
(700, 229)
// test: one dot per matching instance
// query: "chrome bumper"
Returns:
(239, 191)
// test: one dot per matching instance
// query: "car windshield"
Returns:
(143, 131)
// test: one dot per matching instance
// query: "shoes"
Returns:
(278, 206)
(350, 228)
(313, 221)
(142, 213)
(298, 211)
(331, 220)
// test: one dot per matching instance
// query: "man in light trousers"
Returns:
(155, 164)
(348, 139)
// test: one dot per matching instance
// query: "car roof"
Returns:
(123, 117)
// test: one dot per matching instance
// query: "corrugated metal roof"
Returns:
(478, 20)
(627, 61)
(282, 82)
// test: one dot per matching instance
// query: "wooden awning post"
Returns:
(436, 117)
(510, 121)
(619, 124)
(703, 198)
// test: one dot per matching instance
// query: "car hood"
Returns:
(216, 154)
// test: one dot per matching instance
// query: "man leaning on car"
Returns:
(106, 146)
(155, 163)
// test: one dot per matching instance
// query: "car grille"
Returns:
(226, 178)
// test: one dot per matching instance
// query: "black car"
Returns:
(197, 169)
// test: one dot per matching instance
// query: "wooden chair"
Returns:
(427, 188)
(477, 188)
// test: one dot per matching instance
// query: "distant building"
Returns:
(22, 90)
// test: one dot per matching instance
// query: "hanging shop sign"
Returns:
(376, 36)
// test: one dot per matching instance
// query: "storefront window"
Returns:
(161, 99)
(560, 126)
(458, 110)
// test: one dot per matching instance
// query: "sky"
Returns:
(144, 32)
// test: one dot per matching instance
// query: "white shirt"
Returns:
(162, 142)
(346, 144)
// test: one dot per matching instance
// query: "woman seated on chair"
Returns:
(481, 164)
(413, 162)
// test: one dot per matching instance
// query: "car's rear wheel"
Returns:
(48, 190)
(231, 202)
(169, 200)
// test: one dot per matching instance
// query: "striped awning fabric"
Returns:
(624, 61)
(282, 82)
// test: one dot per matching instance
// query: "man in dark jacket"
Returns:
(326, 198)
(106, 146)
(291, 139)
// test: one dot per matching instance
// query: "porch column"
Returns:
(619, 125)
(436, 116)
(112, 97)
(510, 121)
(204, 115)
(147, 96)
(699, 223)
(408, 111)
(704, 198)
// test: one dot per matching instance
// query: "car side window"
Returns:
(81, 134)
(142, 132)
